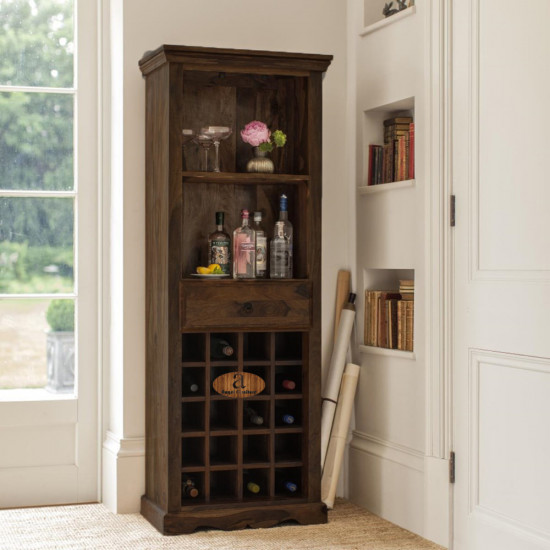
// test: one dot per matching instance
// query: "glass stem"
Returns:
(217, 161)
(205, 159)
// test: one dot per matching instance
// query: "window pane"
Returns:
(37, 43)
(37, 344)
(36, 245)
(36, 141)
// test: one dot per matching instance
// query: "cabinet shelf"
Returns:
(243, 178)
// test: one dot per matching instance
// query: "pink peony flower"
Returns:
(255, 132)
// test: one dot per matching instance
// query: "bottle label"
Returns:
(219, 254)
(261, 254)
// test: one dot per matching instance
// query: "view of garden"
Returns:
(36, 159)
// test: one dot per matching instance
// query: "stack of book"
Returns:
(389, 317)
(393, 161)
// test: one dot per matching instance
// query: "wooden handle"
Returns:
(342, 292)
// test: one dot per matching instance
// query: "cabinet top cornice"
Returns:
(225, 59)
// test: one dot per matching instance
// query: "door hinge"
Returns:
(453, 209)
(452, 463)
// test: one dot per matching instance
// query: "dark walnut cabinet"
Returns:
(272, 325)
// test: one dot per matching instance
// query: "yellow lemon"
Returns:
(214, 268)
(203, 270)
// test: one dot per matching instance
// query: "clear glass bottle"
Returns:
(280, 254)
(219, 246)
(244, 250)
(261, 247)
(287, 230)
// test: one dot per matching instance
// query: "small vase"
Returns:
(260, 163)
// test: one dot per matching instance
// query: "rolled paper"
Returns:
(334, 376)
(339, 434)
(343, 283)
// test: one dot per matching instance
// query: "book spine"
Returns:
(370, 175)
(400, 317)
(409, 325)
(366, 323)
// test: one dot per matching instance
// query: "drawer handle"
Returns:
(247, 307)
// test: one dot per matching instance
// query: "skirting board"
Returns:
(123, 482)
(387, 481)
(401, 485)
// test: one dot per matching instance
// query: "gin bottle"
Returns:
(287, 230)
(244, 250)
(261, 247)
(219, 246)
(280, 254)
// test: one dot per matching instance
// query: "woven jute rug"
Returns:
(92, 526)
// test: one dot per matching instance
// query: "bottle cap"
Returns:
(244, 214)
(283, 204)
(219, 218)
(257, 216)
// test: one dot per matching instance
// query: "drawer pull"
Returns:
(247, 307)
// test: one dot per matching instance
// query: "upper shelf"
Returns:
(242, 178)
(370, 28)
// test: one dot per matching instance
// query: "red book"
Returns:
(411, 151)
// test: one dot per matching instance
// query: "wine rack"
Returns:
(212, 459)
(220, 443)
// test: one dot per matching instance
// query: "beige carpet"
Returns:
(92, 526)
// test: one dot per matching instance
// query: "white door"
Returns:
(501, 361)
(48, 252)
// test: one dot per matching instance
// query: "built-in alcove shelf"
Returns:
(392, 186)
(371, 26)
(387, 352)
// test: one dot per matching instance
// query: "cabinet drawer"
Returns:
(245, 304)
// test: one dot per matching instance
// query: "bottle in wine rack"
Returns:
(251, 484)
(190, 385)
(287, 418)
(219, 246)
(285, 383)
(261, 247)
(220, 348)
(253, 417)
(189, 488)
(287, 486)
(244, 250)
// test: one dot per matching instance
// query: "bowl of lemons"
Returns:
(213, 271)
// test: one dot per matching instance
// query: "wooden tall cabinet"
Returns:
(273, 325)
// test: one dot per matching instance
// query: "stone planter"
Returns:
(60, 355)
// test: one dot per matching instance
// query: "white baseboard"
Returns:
(388, 480)
(123, 473)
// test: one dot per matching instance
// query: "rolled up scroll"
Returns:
(334, 376)
(339, 433)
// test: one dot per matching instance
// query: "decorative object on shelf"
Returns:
(219, 246)
(258, 135)
(244, 250)
(205, 141)
(217, 134)
(401, 5)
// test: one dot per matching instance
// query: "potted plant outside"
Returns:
(60, 346)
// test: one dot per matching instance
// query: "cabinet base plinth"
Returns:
(230, 518)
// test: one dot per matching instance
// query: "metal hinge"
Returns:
(452, 464)
(453, 201)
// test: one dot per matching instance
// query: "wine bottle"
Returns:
(220, 348)
(251, 484)
(286, 486)
(189, 488)
(285, 383)
(190, 384)
(219, 246)
(261, 247)
(253, 416)
(244, 250)
(280, 254)
(287, 230)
